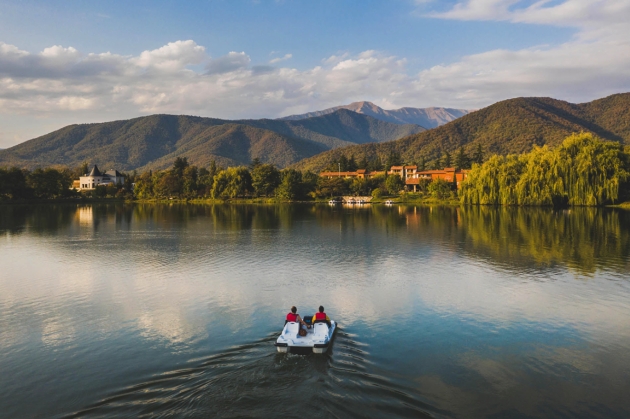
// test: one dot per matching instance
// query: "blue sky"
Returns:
(65, 62)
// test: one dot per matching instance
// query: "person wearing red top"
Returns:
(294, 317)
(321, 316)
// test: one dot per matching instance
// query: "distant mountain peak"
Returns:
(425, 117)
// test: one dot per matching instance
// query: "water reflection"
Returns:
(449, 312)
(583, 239)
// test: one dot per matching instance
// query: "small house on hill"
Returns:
(96, 178)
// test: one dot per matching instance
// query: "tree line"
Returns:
(46, 183)
(186, 181)
(583, 170)
(53, 183)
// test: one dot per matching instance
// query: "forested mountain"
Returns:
(425, 117)
(153, 142)
(510, 126)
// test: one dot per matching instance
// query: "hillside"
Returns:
(338, 128)
(425, 117)
(154, 141)
(510, 126)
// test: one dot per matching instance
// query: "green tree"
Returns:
(144, 188)
(309, 183)
(394, 184)
(100, 191)
(167, 184)
(49, 183)
(265, 179)
(478, 156)
(360, 187)
(422, 164)
(13, 183)
(461, 159)
(374, 164)
(437, 163)
(447, 160)
(233, 182)
(440, 189)
(290, 185)
(328, 188)
(393, 159)
(352, 164)
(180, 164)
(343, 163)
(255, 163)
(583, 171)
(190, 180)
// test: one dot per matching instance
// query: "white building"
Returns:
(96, 178)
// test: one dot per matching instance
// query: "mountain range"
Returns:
(509, 126)
(425, 117)
(153, 142)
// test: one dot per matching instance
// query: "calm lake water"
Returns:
(172, 311)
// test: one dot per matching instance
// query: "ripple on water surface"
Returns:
(253, 380)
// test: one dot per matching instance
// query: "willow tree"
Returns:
(592, 169)
(584, 170)
(541, 182)
(494, 182)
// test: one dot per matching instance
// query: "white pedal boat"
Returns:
(318, 337)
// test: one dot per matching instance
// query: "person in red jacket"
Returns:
(321, 316)
(294, 317)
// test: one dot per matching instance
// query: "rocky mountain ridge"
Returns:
(425, 117)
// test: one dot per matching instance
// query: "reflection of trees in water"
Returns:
(584, 239)
(38, 219)
(581, 238)
(232, 217)
(377, 218)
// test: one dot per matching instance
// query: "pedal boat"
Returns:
(318, 337)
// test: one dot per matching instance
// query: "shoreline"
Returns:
(273, 201)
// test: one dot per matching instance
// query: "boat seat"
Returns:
(320, 329)
(292, 328)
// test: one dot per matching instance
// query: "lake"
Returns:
(173, 310)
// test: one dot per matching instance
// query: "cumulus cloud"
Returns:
(171, 57)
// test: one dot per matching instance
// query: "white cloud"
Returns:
(279, 59)
(590, 15)
(172, 57)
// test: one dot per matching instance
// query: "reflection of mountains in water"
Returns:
(253, 380)
(583, 239)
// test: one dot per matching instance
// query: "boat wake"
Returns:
(254, 380)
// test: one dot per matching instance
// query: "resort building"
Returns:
(405, 172)
(449, 174)
(96, 178)
(409, 174)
